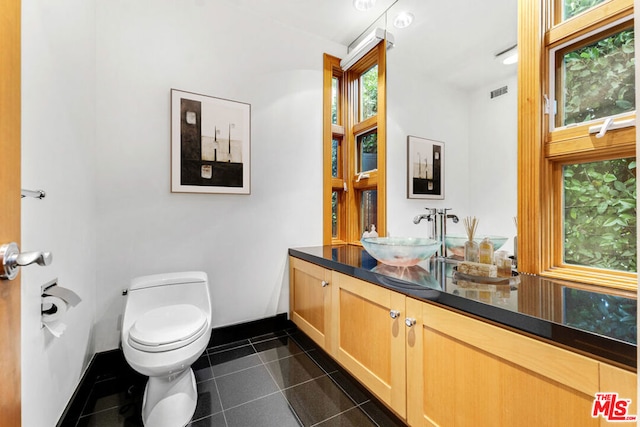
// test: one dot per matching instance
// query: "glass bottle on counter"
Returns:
(485, 251)
(471, 252)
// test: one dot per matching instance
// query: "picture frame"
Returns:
(210, 144)
(425, 168)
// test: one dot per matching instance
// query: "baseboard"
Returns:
(241, 331)
(99, 363)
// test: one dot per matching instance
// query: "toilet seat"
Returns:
(167, 328)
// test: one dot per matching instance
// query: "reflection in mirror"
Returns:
(445, 83)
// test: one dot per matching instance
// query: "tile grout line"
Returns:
(328, 374)
(275, 382)
(224, 416)
(366, 413)
(239, 370)
(281, 390)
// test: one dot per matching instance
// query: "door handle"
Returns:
(12, 259)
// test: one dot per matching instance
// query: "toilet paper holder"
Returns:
(52, 289)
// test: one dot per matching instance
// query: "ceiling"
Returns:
(336, 20)
(454, 41)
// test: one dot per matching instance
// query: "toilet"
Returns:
(165, 328)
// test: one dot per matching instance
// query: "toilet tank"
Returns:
(167, 279)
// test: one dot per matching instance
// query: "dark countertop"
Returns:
(592, 320)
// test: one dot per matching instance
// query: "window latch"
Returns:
(547, 104)
(362, 175)
(609, 124)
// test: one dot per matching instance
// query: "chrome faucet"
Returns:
(431, 217)
(438, 218)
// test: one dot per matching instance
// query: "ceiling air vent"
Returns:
(501, 91)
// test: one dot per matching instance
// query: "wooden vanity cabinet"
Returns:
(436, 367)
(466, 372)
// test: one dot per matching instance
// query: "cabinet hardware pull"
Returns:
(394, 314)
(409, 321)
(325, 283)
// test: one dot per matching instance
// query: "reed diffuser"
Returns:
(471, 249)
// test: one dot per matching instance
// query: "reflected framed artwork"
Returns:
(210, 144)
(425, 168)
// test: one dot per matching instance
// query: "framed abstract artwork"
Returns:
(425, 168)
(210, 144)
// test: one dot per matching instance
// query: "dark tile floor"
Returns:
(279, 379)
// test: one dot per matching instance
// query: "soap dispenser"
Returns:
(372, 233)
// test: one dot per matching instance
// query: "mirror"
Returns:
(440, 77)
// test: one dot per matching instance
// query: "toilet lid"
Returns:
(167, 328)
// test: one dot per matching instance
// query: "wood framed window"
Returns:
(354, 130)
(576, 183)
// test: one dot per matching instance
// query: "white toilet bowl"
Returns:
(165, 328)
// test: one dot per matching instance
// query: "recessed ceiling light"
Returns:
(364, 4)
(403, 20)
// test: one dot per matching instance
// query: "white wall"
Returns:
(144, 49)
(58, 144)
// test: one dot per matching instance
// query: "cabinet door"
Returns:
(310, 300)
(368, 341)
(625, 383)
(466, 372)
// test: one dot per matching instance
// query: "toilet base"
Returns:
(170, 401)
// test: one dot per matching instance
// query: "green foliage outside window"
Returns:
(334, 101)
(574, 7)
(370, 143)
(369, 87)
(600, 214)
(599, 79)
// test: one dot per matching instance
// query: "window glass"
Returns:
(597, 80)
(572, 8)
(334, 214)
(368, 210)
(600, 214)
(367, 151)
(334, 100)
(369, 93)
(335, 158)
